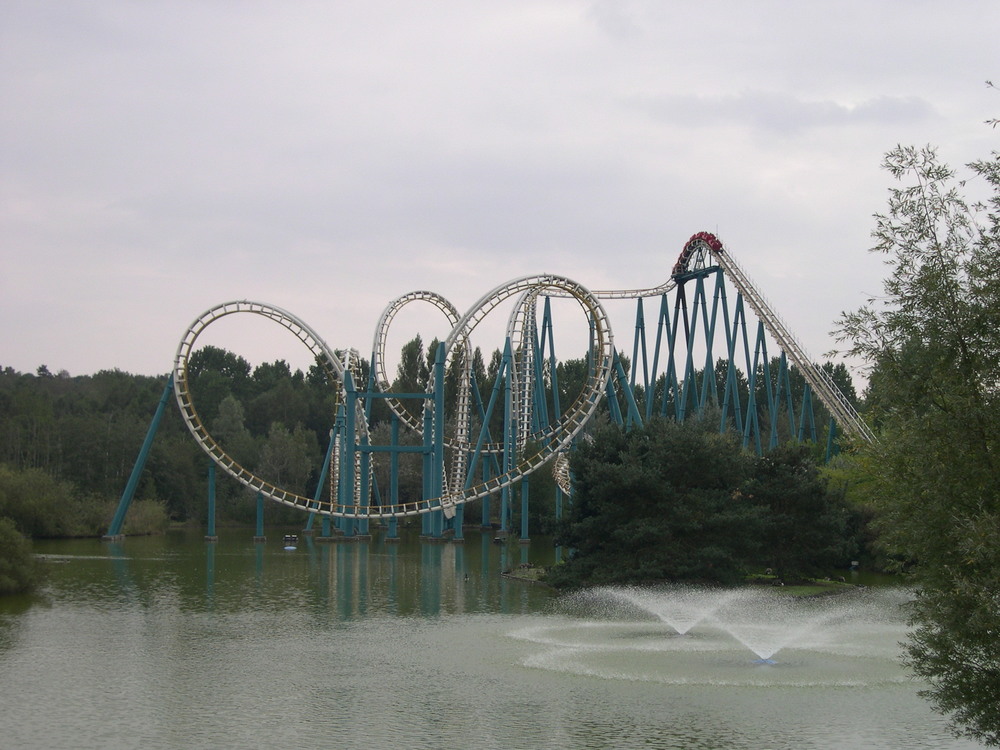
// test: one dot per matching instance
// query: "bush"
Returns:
(41, 506)
(146, 517)
(18, 570)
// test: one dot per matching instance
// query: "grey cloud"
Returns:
(780, 113)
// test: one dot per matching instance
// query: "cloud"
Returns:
(779, 113)
(160, 157)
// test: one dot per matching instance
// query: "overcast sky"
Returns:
(326, 157)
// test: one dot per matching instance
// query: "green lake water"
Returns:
(172, 642)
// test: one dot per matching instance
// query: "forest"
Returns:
(68, 443)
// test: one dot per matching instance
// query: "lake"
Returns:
(173, 642)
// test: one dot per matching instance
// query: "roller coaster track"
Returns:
(182, 390)
(817, 378)
(548, 442)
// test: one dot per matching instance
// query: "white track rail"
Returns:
(818, 378)
(182, 391)
(555, 439)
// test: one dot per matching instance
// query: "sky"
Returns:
(160, 157)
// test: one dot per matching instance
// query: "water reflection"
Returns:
(346, 580)
(169, 642)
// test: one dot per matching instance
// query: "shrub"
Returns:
(18, 570)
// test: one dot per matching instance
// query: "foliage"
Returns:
(659, 503)
(680, 501)
(932, 344)
(41, 506)
(18, 570)
(146, 517)
(805, 533)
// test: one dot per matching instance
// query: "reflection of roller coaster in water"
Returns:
(471, 463)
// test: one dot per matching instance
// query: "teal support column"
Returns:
(831, 441)
(260, 519)
(525, 485)
(321, 483)
(115, 529)
(393, 534)
(509, 441)
(437, 477)
(358, 526)
(210, 535)
(457, 522)
(427, 463)
(344, 489)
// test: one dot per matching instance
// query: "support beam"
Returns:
(115, 529)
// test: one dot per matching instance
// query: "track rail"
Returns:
(182, 389)
(818, 378)
(554, 439)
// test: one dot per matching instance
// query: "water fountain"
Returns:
(753, 635)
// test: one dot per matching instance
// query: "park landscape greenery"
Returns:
(666, 501)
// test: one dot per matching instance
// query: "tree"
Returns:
(805, 530)
(18, 570)
(660, 502)
(411, 375)
(932, 345)
(288, 456)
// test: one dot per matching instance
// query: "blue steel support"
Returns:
(549, 339)
(771, 405)
(501, 383)
(115, 529)
(654, 377)
(672, 382)
(732, 393)
(437, 475)
(688, 377)
(614, 410)
(740, 334)
(457, 522)
(525, 485)
(324, 472)
(639, 350)
(427, 461)
(786, 382)
(808, 420)
(540, 412)
(345, 457)
(508, 436)
(709, 391)
(632, 408)
(752, 426)
(394, 476)
(831, 441)
(359, 526)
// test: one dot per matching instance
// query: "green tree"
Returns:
(288, 456)
(932, 344)
(17, 565)
(411, 375)
(658, 503)
(805, 530)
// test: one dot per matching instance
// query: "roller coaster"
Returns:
(479, 445)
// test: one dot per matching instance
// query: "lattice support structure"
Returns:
(462, 463)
